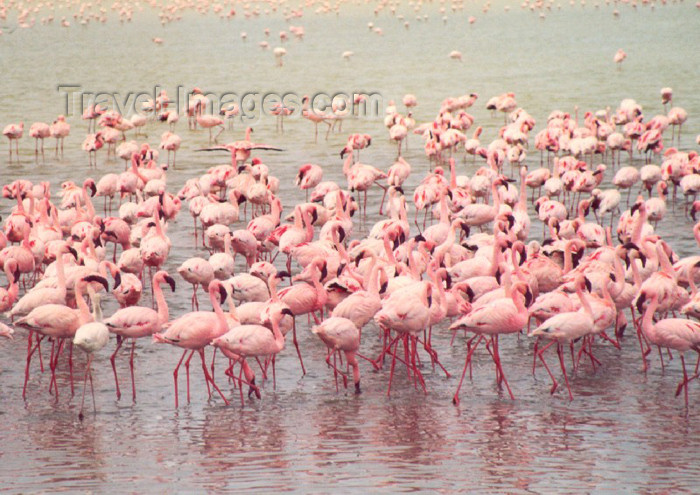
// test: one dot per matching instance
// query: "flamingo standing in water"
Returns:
(566, 327)
(13, 132)
(39, 131)
(58, 322)
(92, 143)
(91, 337)
(341, 334)
(501, 316)
(60, 129)
(306, 298)
(244, 341)
(309, 176)
(673, 333)
(135, 322)
(194, 331)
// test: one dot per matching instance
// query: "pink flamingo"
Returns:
(59, 130)
(58, 322)
(9, 296)
(341, 334)
(407, 312)
(309, 176)
(315, 117)
(171, 142)
(253, 341)
(136, 322)
(306, 298)
(566, 327)
(241, 150)
(14, 132)
(209, 122)
(673, 333)
(39, 130)
(501, 316)
(194, 331)
(39, 296)
(91, 337)
(197, 271)
(92, 143)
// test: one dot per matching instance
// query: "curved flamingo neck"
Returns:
(647, 319)
(619, 285)
(227, 244)
(84, 315)
(664, 262)
(453, 174)
(60, 272)
(496, 197)
(213, 289)
(496, 256)
(637, 230)
(584, 301)
(161, 304)
(568, 261)
(389, 251)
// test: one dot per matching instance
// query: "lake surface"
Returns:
(625, 431)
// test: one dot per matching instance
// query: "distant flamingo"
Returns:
(39, 131)
(309, 176)
(60, 129)
(14, 132)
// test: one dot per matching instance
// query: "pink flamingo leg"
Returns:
(209, 379)
(131, 366)
(112, 359)
(175, 375)
(563, 369)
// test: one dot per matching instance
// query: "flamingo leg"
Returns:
(467, 363)
(563, 369)
(82, 402)
(296, 345)
(131, 366)
(112, 359)
(209, 378)
(175, 375)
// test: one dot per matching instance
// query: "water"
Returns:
(625, 431)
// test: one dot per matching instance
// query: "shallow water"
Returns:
(624, 431)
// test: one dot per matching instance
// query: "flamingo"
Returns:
(91, 337)
(306, 298)
(136, 322)
(39, 131)
(253, 341)
(566, 327)
(209, 122)
(241, 150)
(309, 176)
(59, 130)
(14, 132)
(341, 334)
(193, 332)
(673, 333)
(501, 316)
(58, 322)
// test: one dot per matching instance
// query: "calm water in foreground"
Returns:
(624, 432)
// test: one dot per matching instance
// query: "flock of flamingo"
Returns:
(472, 259)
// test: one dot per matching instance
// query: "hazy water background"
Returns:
(625, 431)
